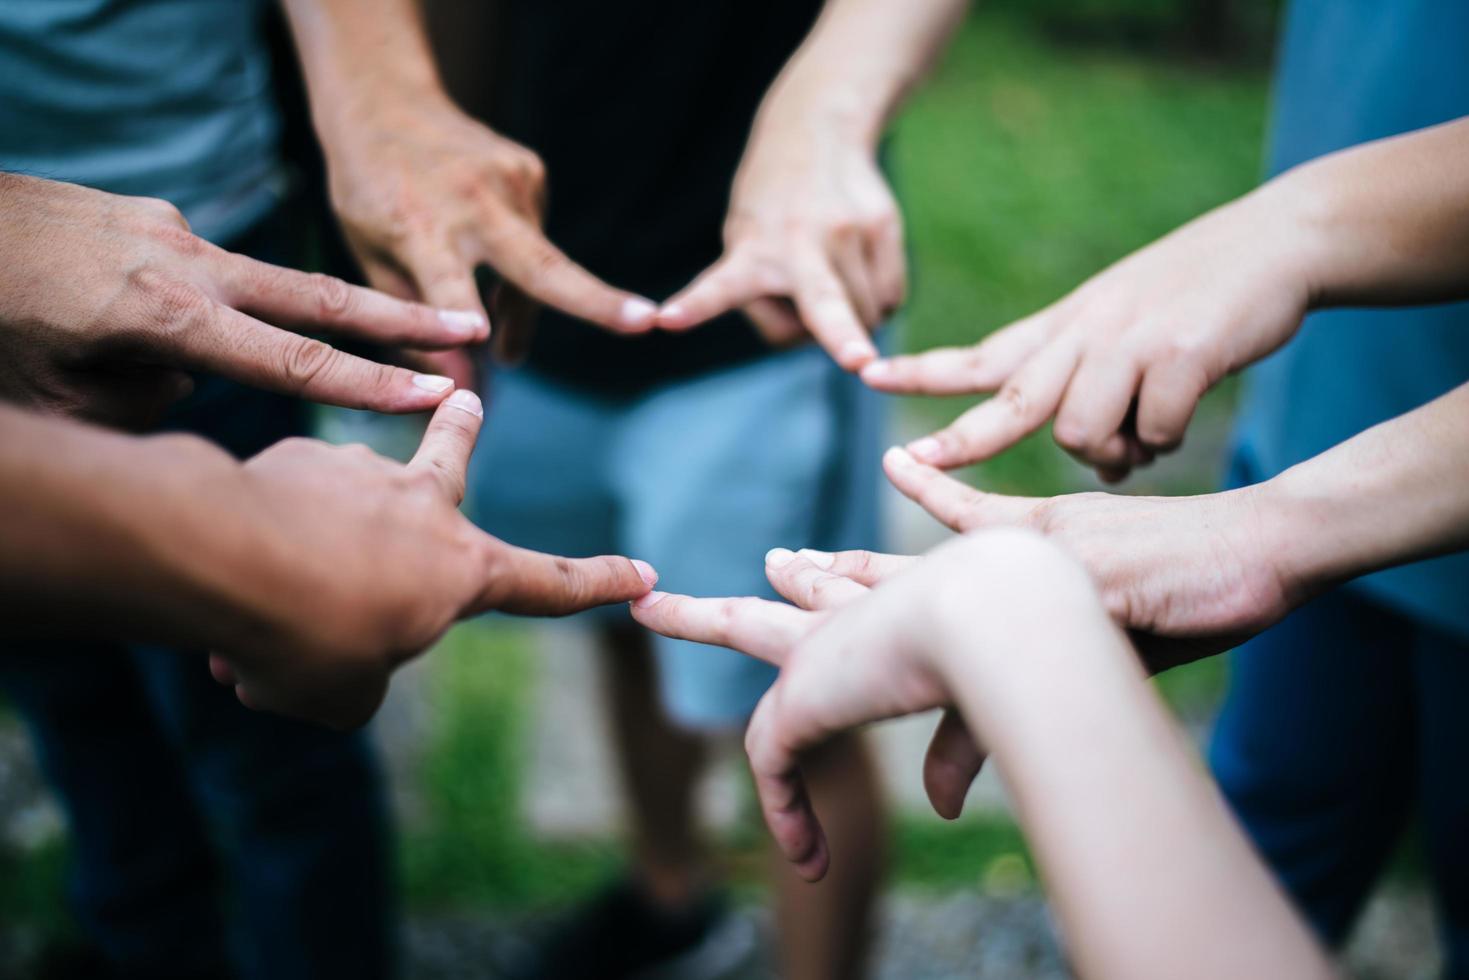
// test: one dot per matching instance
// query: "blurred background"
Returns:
(1057, 136)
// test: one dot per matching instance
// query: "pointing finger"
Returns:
(951, 501)
(448, 443)
(757, 627)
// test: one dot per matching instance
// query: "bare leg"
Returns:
(660, 765)
(826, 927)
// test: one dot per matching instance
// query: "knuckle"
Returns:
(334, 298)
(304, 360)
(176, 305)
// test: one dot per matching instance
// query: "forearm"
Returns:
(1384, 223)
(359, 56)
(1389, 496)
(118, 536)
(1147, 873)
(858, 64)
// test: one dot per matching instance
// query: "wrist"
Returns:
(1300, 527)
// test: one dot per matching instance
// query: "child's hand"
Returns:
(1121, 362)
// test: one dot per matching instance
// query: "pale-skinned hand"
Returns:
(813, 246)
(1121, 363)
(106, 300)
(861, 645)
(356, 563)
(1187, 576)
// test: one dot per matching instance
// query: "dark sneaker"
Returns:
(621, 934)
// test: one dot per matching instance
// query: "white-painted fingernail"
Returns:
(650, 600)
(462, 321)
(637, 311)
(433, 382)
(645, 572)
(898, 456)
(776, 557)
(855, 352)
(466, 401)
(927, 449)
(821, 559)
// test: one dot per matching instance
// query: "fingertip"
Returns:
(898, 459)
(649, 600)
(470, 325)
(878, 373)
(466, 401)
(637, 314)
(779, 557)
(928, 450)
(646, 572)
(854, 355)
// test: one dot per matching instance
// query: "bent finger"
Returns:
(827, 311)
(800, 580)
(952, 764)
(773, 743)
(448, 443)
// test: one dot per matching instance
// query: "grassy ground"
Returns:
(1024, 168)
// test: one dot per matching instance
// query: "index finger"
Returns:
(528, 583)
(952, 501)
(243, 349)
(448, 443)
(757, 627)
(773, 742)
(300, 300)
(521, 253)
(726, 285)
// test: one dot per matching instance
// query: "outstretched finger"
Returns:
(773, 742)
(757, 627)
(953, 762)
(726, 285)
(977, 369)
(800, 580)
(448, 443)
(1024, 402)
(243, 349)
(864, 567)
(529, 583)
(523, 255)
(827, 311)
(951, 501)
(301, 300)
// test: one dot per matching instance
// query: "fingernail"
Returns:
(466, 401)
(433, 382)
(463, 321)
(649, 576)
(877, 371)
(820, 559)
(776, 557)
(637, 311)
(899, 457)
(926, 449)
(649, 601)
(855, 352)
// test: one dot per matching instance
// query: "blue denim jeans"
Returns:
(208, 840)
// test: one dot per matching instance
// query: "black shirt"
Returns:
(640, 111)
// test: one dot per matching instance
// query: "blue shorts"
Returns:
(700, 477)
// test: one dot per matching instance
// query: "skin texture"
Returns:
(1147, 873)
(108, 299)
(813, 238)
(266, 562)
(1121, 363)
(425, 193)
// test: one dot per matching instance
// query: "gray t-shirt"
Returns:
(162, 98)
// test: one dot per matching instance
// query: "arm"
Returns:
(104, 300)
(1192, 576)
(1383, 223)
(267, 563)
(813, 239)
(1148, 873)
(425, 193)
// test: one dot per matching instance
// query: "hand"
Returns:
(813, 246)
(1189, 577)
(1121, 362)
(870, 653)
(105, 300)
(357, 563)
(426, 194)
